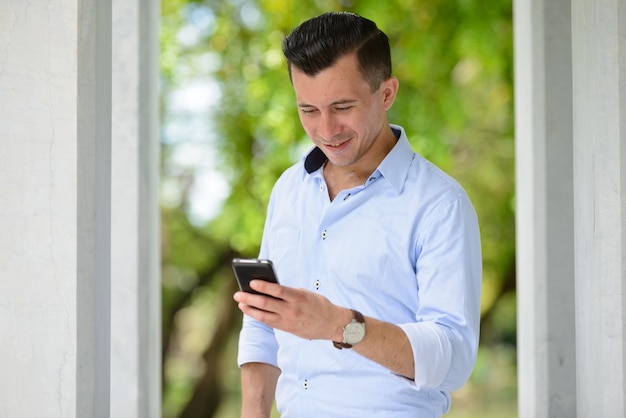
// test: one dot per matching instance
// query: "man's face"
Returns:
(340, 113)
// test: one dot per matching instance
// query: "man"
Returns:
(376, 249)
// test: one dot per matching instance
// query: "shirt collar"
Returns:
(394, 166)
(314, 160)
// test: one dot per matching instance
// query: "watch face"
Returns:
(354, 332)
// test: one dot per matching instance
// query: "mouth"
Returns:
(338, 146)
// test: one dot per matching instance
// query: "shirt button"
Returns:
(317, 285)
(305, 384)
(324, 234)
(321, 187)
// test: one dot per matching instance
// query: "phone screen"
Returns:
(247, 269)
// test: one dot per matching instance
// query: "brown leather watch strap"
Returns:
(358, 316)
(339, 345)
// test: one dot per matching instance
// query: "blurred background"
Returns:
(230, 127)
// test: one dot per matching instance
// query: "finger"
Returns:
(268, 288)
(261, 302)
(264, 315)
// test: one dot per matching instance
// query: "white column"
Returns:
(79, 244)
(93, 216)
(599, 85)
(544, 216)
(55, 208)
(135, 244)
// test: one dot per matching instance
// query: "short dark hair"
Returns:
(318, 42)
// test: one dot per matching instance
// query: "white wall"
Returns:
(135, 241)
(544, 216)
(60, 353)
(53, 255)
(599, 86)
(571, 195)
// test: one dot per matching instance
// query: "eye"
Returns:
(308, 111)
(343, 108)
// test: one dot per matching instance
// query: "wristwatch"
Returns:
(353, 333)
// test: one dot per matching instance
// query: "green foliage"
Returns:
(454, 62)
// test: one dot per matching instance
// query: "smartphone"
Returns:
(247, 269)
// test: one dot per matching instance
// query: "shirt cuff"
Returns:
(432, 353)
(257, 343)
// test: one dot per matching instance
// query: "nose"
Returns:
(328, 126)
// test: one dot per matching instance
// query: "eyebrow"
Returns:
(335, 103)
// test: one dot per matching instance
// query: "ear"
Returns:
(389, 90)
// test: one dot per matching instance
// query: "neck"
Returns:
(340, 178)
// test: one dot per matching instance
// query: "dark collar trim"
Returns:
(314, 160)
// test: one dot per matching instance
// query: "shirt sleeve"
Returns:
(444, 337)
(257, 343)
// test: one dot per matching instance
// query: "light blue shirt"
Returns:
(403, 248)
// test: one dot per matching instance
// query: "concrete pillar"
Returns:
(93, 213)
(55, 84)
(545, 237)
(599, 85)
(135, 243)
(60, 246)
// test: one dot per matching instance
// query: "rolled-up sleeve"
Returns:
(257, 343)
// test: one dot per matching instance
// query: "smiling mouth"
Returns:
(338, 145)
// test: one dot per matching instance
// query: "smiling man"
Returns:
(377, 251)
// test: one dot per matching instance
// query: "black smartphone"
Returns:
(247, 269)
